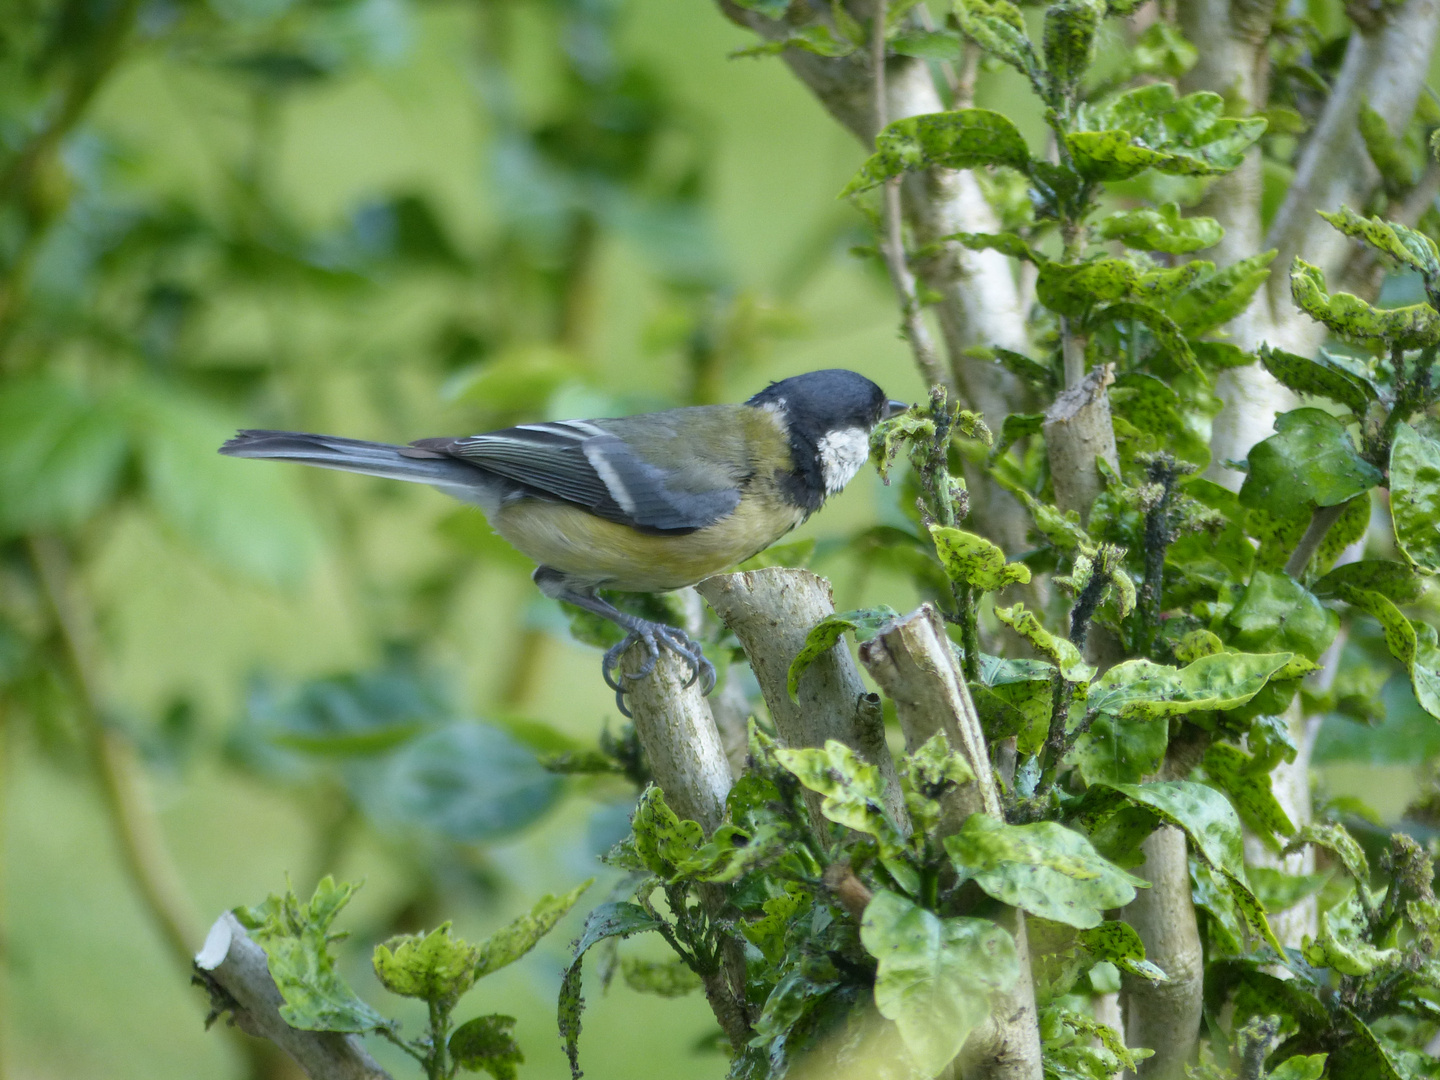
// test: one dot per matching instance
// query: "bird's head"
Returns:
(829, 416)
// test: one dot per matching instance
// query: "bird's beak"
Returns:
(895, 408)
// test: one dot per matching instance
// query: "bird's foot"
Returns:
(655, 636)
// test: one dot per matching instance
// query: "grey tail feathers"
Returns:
(355, 455)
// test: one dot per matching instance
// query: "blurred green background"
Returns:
(384, 219)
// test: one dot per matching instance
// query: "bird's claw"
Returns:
(655, 636)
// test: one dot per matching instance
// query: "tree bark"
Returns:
(236, 972)
(772, 612)
(1079, 433)
(915, 666)
(1165, 1017)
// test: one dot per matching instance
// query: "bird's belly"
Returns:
(602, 554)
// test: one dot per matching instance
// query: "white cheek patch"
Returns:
(841, 455)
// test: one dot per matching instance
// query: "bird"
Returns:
(643, 504)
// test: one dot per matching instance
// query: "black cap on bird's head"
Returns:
(829, 415)
(829, 400)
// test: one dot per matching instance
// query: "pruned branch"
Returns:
(1165, 1016)
(772, 611)
(675, 727)
(235, 971)
(915, 665)
(1078, 434)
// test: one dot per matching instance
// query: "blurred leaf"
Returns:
(1391, 579)
(246, 517)
(963, 139)
(468, 782)
(296, 938)
(1406, 246)
(1045, 869)
(486, 1044)
(1415, 497)
(1162, 230)
(60, 455)
(796, 553)
(1069, 40)
(935, 976)
(998, 27)
(1247, 783)
(663, 978)
(1217, 296)
(929, 44)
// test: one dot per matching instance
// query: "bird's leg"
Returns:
(654, 636)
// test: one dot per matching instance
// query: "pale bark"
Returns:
(915, 665)
(1165, 1016)
(237, 974)
(1079, 433)
(772, 612)
(674, 725)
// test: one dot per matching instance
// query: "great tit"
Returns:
(643, 503)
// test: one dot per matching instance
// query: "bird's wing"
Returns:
(582, 462)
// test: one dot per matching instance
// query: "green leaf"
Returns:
(1151, 406)
(1059, 651)
(662, 839)
(1341, 944)
(935, 976)
(663, 978)
(771, 9)
(998, 27)
(1069, 40)
(1217, 296)
(1415, 497)
(1394, 580)
(1144, 690)
(61, 455)
(1352, 319)
(1210, 823)
(963, 139)
(513, 941)
(1045, 868)
(606, 921)
(434, 967)
(1235, 772)
(1074, 288)
(865, 624)
(1319, 378)
(1312, 461)
(1120, 750)
(853, 789)
(1406, 246)
(1335, 838)
(1360, 1055)
(1162, 230)
(296, 938)
(929, 44)
(1165, 330)
(1300, 1067)
(1397, 167)
(1278, 614)
(1007, 243)
(1015, 697)
(1149, 128)
(974, 561)
(486, 1044)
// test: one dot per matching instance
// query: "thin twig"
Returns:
(1320, 523)
(892, 240)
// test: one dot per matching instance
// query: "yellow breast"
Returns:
(605, 555)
